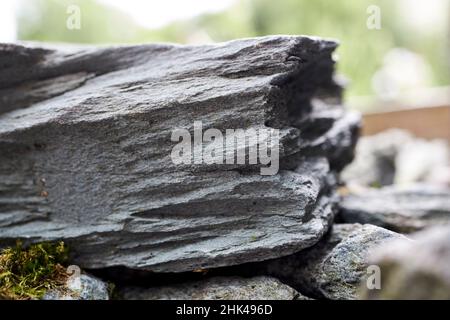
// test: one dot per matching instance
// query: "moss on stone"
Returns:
(27, 273)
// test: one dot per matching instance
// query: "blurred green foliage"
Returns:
(360, 54)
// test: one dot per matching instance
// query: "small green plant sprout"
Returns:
(27, 273)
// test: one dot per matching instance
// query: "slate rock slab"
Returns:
(217, 288)
(336, 266)
(402, 209)
(417, 269)
(85, 150)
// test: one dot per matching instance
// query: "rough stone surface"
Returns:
(84, 287)
(85, 150)
(218, 288)
(397, 157)
(335, 267)
(417, 269)
(400, 209)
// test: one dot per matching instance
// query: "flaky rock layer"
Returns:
(85, 150)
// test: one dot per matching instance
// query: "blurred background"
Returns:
(394, 54)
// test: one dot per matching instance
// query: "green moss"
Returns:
(27, 273)
(112, 292)
(376, 185)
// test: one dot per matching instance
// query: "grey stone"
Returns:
(374, 162)
(397, 157)
(417, 269)
(82, 287)
(217, 288)
(335, 267)
(402, 209)
(85, 150)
